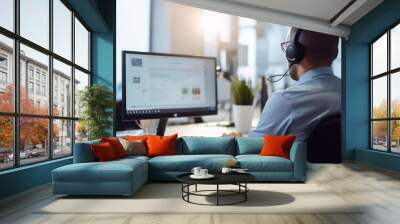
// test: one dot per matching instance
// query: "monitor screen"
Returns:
(164, 85)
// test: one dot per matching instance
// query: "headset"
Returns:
(294, 54)
(295, 51)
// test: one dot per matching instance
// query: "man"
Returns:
(317, 93)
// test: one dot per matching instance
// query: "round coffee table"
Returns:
(238, 179)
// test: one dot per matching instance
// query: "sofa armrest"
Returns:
(298, 155)
(83, 152)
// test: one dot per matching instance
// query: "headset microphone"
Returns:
(271, 77)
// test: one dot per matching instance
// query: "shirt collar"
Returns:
(312, 73)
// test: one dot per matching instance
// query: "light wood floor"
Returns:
(353, 182)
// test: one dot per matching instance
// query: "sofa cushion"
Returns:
(116, 145)
(134, 147)
(185, 163)
(112, 171)
(206, 145)
(249, 145)
(257, 163)
(103, 152)
(161, 145)
(277, 145)
(83, 152)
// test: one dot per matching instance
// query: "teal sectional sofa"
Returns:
(125, 176)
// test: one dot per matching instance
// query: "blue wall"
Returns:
(103, 61)
(24, 178)
(356, 107)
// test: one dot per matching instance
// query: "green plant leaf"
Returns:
(242, 94)
(97, 103)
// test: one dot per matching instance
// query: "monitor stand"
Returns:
(162, 125)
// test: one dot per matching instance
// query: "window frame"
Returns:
(16, 114)
(388, 74)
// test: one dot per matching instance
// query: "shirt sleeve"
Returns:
(275, 118)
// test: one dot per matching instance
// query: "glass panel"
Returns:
(81, 132)
(81, 81)
(34, 96)
(6, 142)
(33, 139)
(7, 14)
(379, 97)
(62, 89)
(6, 74)
(62, 138)
(395, 95)
(395, 136)
(81, 45)
(379, 55)
(62, 29)
(379, 135)
(395, 47)
(35, 21)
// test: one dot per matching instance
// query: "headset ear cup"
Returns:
(291, 53)
(295, 53)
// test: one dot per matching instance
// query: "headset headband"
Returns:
(296, 37)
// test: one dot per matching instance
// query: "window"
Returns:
(30, 72)
(61, 73)
(46, 75)
(44, 91)
(385, 94)
(62, 29)
(6, 142)
(81, 81)
(7, 14)
(37, 89)
(3, 78)
(37, 74)
(62, 137)
(7, 88)
(35, 21)
(3, 61)
(81, 45)
(30, 87)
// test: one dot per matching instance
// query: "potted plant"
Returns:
(242, 97)
(97, 103)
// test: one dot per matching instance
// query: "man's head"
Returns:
(320, 50)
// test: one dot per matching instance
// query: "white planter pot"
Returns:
(242, 116)
(149, 126)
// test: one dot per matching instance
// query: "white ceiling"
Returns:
(325, 16)
(321, 9)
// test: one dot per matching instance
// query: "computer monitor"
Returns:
(158, 85)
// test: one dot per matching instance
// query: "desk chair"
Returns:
(324, 143)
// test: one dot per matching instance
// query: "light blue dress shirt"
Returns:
(298, 109)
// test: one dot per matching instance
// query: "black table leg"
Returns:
(196, 187)
(217, 194)
(245, 193)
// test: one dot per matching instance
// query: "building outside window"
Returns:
(55, 128)
(3, 78)
(385, 92)
(30, 87)
(30, 72)
(3, 61)
(43, 90)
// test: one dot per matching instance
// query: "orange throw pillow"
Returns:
(103, 152)
(277, 145)
(136, 137)
(161, 145)
(116, 145)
